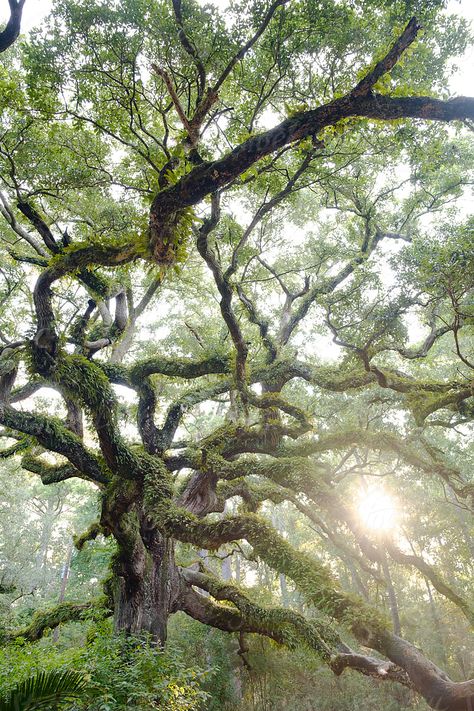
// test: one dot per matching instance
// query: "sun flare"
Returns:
(377, 511)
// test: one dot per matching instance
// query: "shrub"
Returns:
(122, 673)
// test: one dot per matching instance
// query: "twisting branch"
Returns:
(53, 436)
(64, 612)
(279, 623)
(261, 322)
(225, 290)
(434, 334)
(39, 224)
(13, 26)
(9, 215)
(207, 178)
(320, 589)
(379, 669)
(49, 473)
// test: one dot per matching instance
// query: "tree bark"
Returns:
(431, 682)
(146, 590)
(12, 29)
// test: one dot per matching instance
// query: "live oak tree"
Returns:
(195, 202)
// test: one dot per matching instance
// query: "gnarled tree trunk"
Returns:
(146, 588)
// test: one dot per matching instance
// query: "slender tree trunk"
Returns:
(64, 578)
(356, 579)
(437, 625)
(392, 597)
(238, 572)
(283, 590)
(226, 569)
(46, 533)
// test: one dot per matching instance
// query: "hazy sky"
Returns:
(462, 83)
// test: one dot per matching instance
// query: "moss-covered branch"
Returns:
(90, 534)
(284, 625)
(320, 589)
(14, 448)
(49, 473)
(312, 577)
(51, 434)
(44, 620)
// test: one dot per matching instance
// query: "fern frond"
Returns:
(44, 691)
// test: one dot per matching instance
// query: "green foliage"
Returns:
(134, 672)
(46, 690)
(332, 290)
(204, 646)
(121, 673)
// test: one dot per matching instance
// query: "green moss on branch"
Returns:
(310, 576)
(283, 625)
(64, 612)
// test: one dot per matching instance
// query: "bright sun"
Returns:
(377, 511)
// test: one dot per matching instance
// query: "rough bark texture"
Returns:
(145, 597)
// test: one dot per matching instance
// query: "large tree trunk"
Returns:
(147, 588)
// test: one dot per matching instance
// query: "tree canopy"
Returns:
(238, 262)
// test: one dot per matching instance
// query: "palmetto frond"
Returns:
(44, 691)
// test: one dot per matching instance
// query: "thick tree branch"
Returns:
(52, 435)
(379, 669)
(49, 473)
(320, 589)
(279, 623)
(40, 225)
(210, 177)
(12, 30)
(64, 612)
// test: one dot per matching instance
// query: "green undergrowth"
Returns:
(122, 673)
